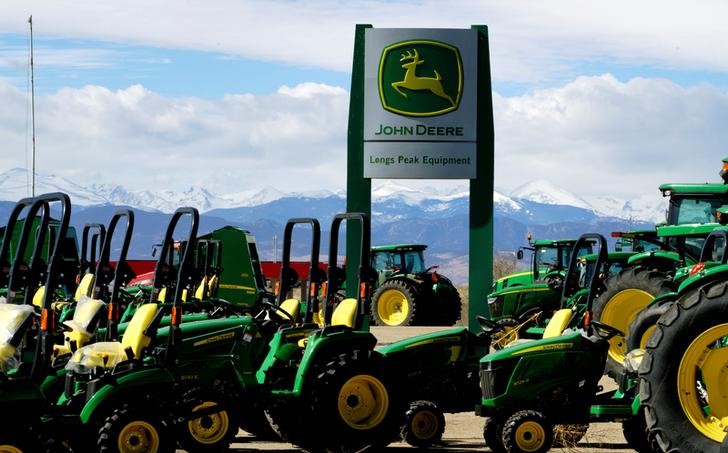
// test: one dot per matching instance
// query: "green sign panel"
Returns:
(420, 78)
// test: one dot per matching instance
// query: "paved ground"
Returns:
(463, 431)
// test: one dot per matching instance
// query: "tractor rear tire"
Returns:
(357, 401)
(680, 373)
(627, 294)
(528, 431)
(635, 433)
(424, 424)
(394, 304)
(135, 430)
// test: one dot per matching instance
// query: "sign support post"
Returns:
(421, 107)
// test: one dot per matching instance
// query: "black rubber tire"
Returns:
(361, 373)
(514, 425)
(497, 339)
(17, 437)
(254, 421)
(450, 313)
(668, 425)
(493, 435)
(424, 424)
(567, 436)
(635, 433)
(642, 324)
(121, 417)
(215, 432)
(410, 295)
(640, 279)
(293, 423)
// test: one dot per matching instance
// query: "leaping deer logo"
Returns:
(413, 82)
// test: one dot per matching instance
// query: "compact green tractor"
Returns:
(27, 332)
(533, 386)
(408, 292)
(683, 386)
(547, 256)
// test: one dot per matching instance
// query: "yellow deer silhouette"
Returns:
(412, 82)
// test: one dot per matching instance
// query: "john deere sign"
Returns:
(420, 103)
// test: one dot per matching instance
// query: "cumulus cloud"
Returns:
(593, 136)
(531, 40)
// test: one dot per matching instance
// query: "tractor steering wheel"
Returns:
(487, 325)
(273, 308)
(606, 331)
(224, 307)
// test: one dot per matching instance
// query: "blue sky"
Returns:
(599, 98)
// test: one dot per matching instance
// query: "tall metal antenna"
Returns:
(32, 102)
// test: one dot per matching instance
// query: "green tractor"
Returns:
(547, 256)
(691, 216)
(683, 389)
(409, 293)
(531, 387)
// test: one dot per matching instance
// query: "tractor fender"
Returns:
(703, 277)
(135, 385)
(323, 349)
(659, 259)
(411, 280)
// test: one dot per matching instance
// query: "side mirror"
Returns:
(519, 254)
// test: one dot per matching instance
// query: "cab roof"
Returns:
(698, 189)
(399, 248)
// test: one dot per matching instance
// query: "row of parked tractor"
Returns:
(93, 359)
(660, 302)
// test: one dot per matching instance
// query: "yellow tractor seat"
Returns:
(345, 313)
(13, 321)
(212, 285)
(38, 297)
(558, 323)
(290, 306)
(107, 354)
(82, 327)
(85, 287)
(200, 291)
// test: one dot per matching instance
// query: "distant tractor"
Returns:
(408, 292)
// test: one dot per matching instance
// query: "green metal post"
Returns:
(480, 272)
(358, 189)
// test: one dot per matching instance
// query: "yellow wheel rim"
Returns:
(619, 313)
(701, 376)
(530, 436)
(424, 425)
(138, 436)
(211, 428)
(392, 307)
(10, 449)
(503, 338)
(363, 402)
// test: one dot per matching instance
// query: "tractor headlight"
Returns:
(495, 305)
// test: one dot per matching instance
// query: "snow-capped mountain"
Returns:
(538, 201)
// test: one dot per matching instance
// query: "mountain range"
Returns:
(399, 213)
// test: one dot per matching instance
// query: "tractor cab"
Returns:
(388, 260)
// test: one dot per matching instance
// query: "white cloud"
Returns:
(530, 40)
(595, 136)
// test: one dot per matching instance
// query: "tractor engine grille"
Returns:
(494, 377)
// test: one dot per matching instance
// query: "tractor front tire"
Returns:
(635, 433)
(134, 430)
(357, 402)
(424, 424)
(644, 325)
(493, 435)
(394, 304)
(211, 432)
(528, 431)
(682, 373)
(627, 293)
